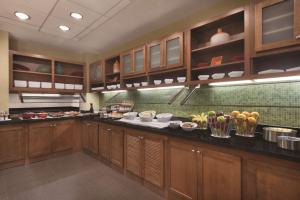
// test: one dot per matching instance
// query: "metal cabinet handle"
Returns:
(198, 151)
(142, 137)
(108, 129)
(297, 37)
(193, 150)
(54, 125)
(50, 125)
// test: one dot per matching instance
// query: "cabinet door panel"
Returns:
(85, 136)
(221, 176)
(12, 143)
(134, 154)
(117, 146)
(104, 142)
(155, 56)
(127, 63)
(183, 171)
(40, 139)
(269, 182)
(63, 136)
(139, 58)
(154, 161)
(93, 137)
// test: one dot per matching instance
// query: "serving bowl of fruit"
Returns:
(245, 123)
(220, 124)
(200, 120)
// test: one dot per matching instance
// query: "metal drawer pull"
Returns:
(54, 125)
(198, 151)
(193, 150)
(298, 37)
(108, 129)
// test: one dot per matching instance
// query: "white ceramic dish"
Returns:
(118, 85)
(219, 38)
(194, 126)
(144, 83)
(78, 87)
(59, 86)
(70, 86)
(270, 71)
(136, 85)
(113, 87)
(109, 87)
(235, 74)
(130, 115)
(20, 83)
(168, 81)
(203, 77)
(46, 85)
(293, 69)
(181, 79)
(128, 85)
(157, 82)
(218, 75)
(34, 84)
(164, 117)
(175, 124)
(97, 88)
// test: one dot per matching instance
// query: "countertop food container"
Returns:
(164, 117)
(270, 133)
(287, 142)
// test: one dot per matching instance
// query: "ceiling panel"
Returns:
(100, 6)
(51, 27)
(64, 8)
(116, 9)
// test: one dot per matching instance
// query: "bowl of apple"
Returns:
(220, 124)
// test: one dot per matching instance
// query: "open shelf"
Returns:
(30, 72)
(68, 76)
(112, 74)
(219, 66)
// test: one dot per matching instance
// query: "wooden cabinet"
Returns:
(202, 174)
(145, 156)
(166, 53)
(111, 144)
(277, 24)
(12, 143)
(182, 171)
(96, 75)
(134, 61)
(40, 139)
(265, 181)
(221, 176)
(63, 136)
(90, 137)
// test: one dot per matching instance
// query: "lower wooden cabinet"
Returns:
(40, 139)
(90, 136)
(63, 136)
(197, 173)
(145, 156)
(271, 182)
(12, 143)
(111, 144)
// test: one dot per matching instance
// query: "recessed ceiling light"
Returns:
(22, 16)
(64, 28)
(76, 15)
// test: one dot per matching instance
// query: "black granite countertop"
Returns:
(254, 145)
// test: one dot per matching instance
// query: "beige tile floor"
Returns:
(72, 177)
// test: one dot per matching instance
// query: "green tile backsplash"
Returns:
(278, 104)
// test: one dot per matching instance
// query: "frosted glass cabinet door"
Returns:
(127, 64)
(139, 61)
(155, 56)
(96, 72)
(173, 51)
(278, 23)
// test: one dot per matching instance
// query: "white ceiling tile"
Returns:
(64, 8)
(116, 9)
(8, 8)
(4, 20)
(51, 27)
(100, 6)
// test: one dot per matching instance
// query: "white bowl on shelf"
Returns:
(168, 81)
(20, 83)
(70, 86)
(118, 85)
(46, 85)
(113, 87)
(181, 79)
(203, 77)
(136, 84)
(78, 87)
(157, 82)
(128, 85)
(97, 88)
(34, 84)
(109, 87)
(218, 75)
(144, 84)
(164, 117)
(234, 74)
(59, 86)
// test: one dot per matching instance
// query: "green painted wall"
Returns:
(278, 104)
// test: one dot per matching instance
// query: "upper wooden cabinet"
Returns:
(134, 61)
(12, 143)
(96, 75)
(277, 24)
(165, 53)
